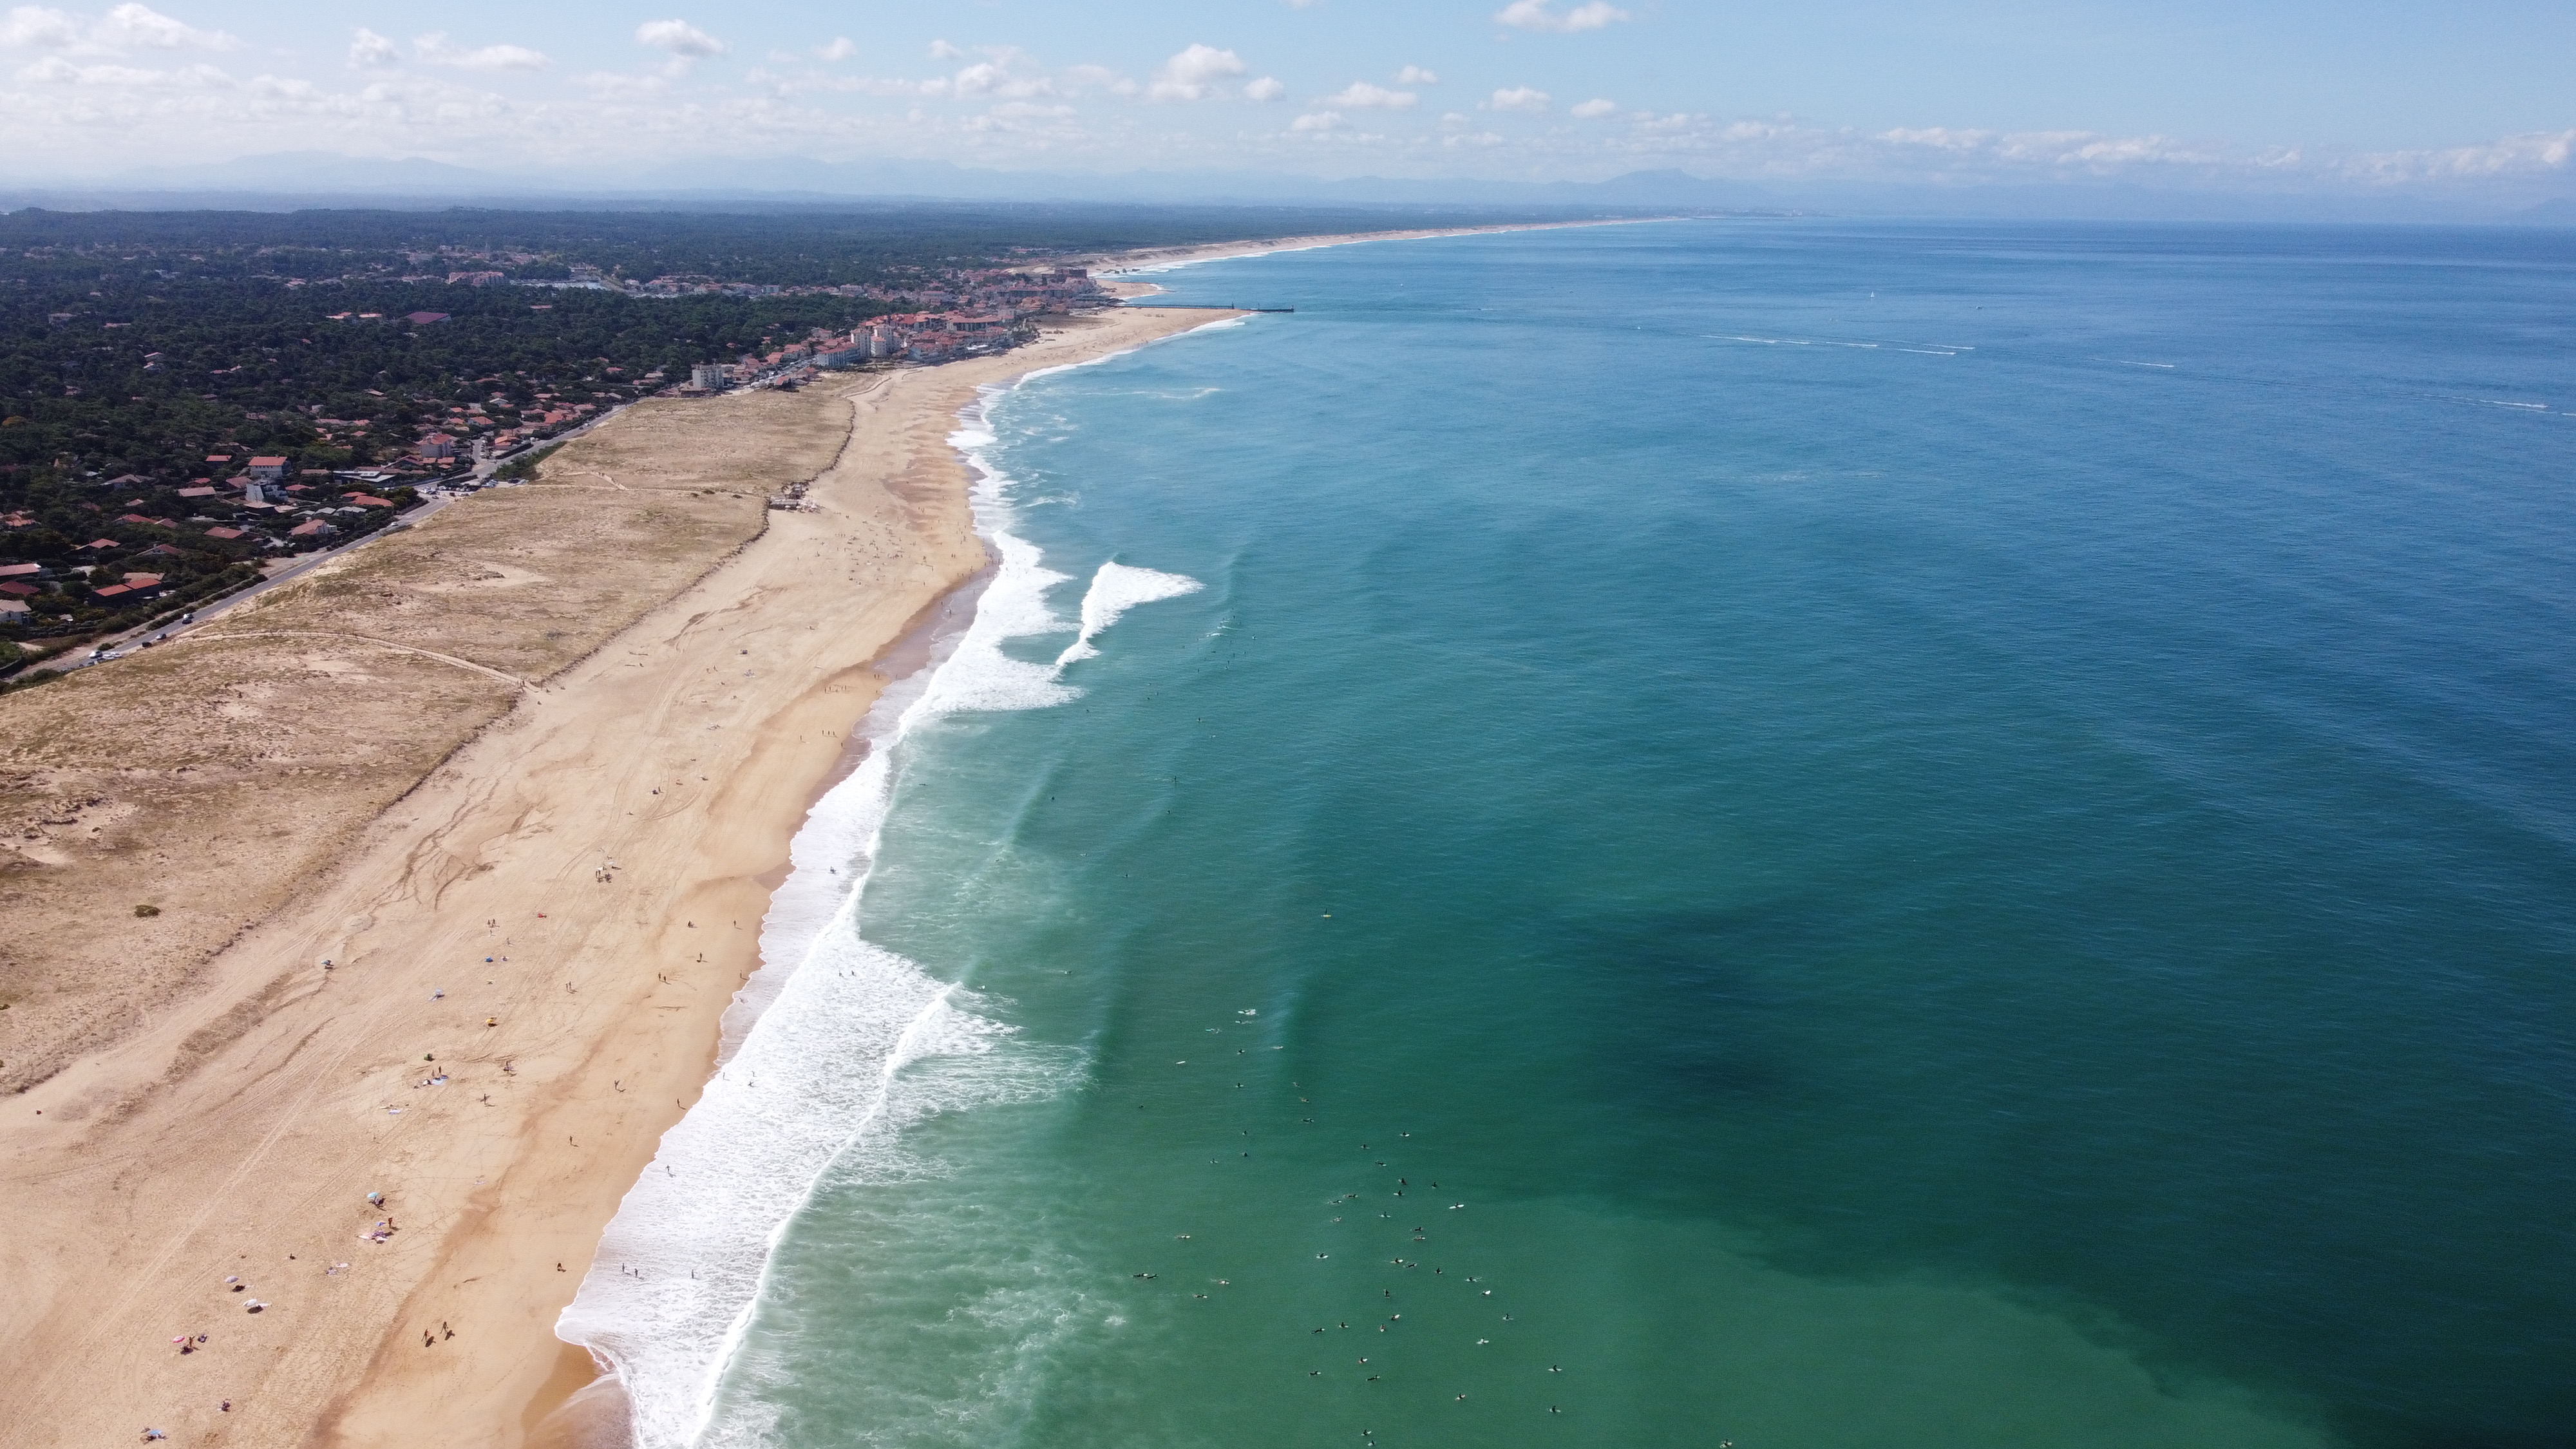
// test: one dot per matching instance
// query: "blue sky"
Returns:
(2242, 96)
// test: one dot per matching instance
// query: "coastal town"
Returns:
(103, 543)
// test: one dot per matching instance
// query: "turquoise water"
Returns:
(1794, 834)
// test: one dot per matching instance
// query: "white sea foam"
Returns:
(1115, 589)
(1928, 349)
(814, 1048)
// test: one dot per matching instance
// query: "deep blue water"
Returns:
(1949, 836)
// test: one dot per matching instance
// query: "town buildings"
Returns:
(978, 312)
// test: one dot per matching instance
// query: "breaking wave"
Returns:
(812, 1057)
(1115, 589)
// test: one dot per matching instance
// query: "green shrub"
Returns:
(524, 466)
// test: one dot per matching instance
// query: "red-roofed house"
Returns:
(20, 570)
(436, 445)
(423, 319)
(197, 492)
(316, 529)
(368, 500)
(268, 470)
(224, 533)
(219, 457)
(23, 591)
(113, 593)
(102, 543)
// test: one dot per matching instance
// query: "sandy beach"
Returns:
(546, 929)
(422, 998)
(1122, 263)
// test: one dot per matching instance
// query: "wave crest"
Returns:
(811, 1062)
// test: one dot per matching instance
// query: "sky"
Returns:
(2298, 95)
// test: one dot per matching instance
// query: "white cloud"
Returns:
(2106, 153)
(1192, 74)
(999, 78)
(1024, 117)
(434, 49)
(39, 25)
(58, 71)
(1101, 77)
(301, 95)
(942, 50)
(1534, 15)
(2527, 154)
(1938, 137)
(1361, 96)
(2057, 150)
(127, 27)
(131, 24)
(619, 85)
(680, 38)
(70, 100)
(868, 85)
(370, 51)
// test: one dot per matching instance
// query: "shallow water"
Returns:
(1788, 833)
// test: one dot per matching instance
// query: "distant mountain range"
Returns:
(287, 180)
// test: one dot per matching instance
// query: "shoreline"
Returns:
(618, 832)
(581, 1404)
(238, 1135)
(744, 1160)
(1154, 259)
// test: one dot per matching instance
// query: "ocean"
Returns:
(1781, 833)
